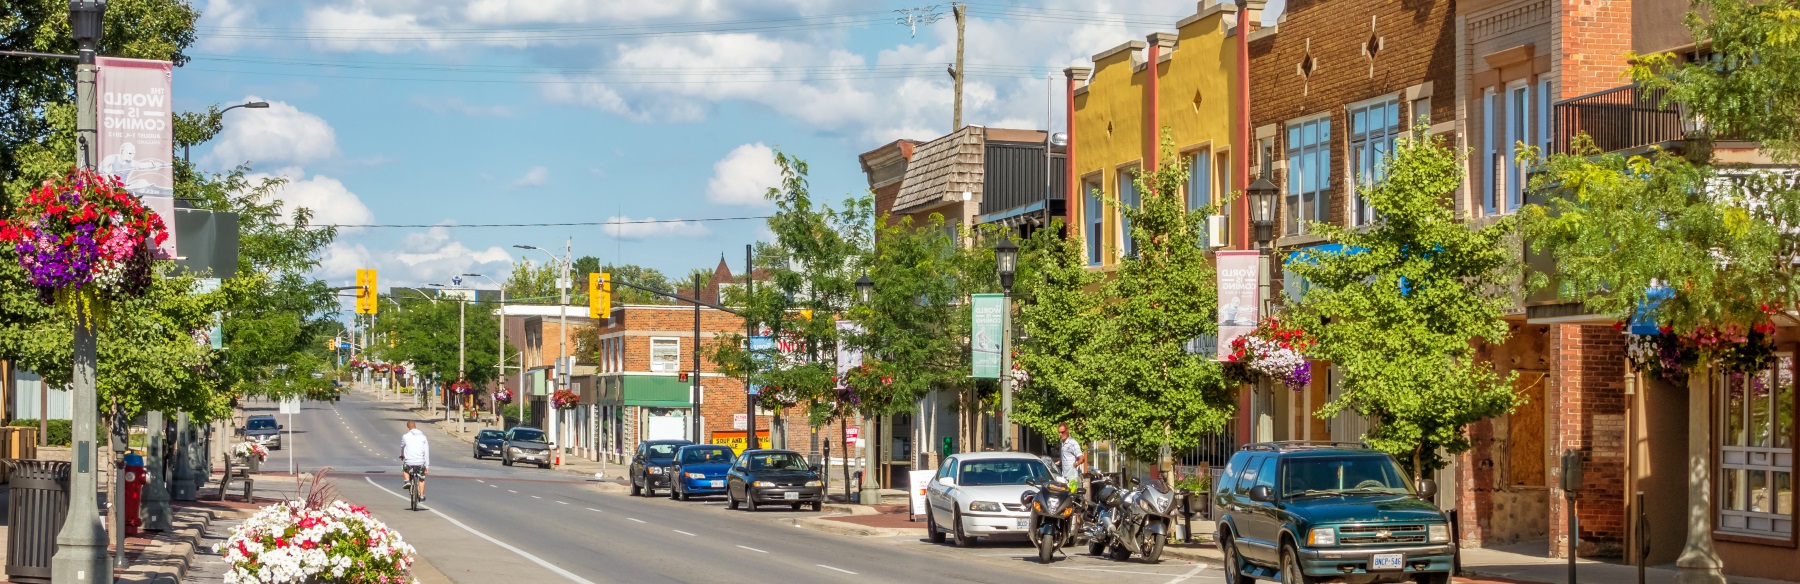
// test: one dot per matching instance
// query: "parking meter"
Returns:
(121, 433)
(1571, 483)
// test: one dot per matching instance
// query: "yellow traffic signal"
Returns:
(605, 295)
(331, 344)
(373, 300)
(599, 295)
(362, 290)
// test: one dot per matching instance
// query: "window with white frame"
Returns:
(1756, 451)
(1199, 186)
(665, 355)
(1094, 213)
(1490, 168)
(1544, 114)
(1518, 128)
(1309, 172)
(1128, 197)
(1374, 125)
(1223, 165)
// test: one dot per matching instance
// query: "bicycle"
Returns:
(413, 478)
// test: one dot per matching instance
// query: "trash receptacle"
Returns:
(38, 502)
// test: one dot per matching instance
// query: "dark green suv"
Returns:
(1299, 512)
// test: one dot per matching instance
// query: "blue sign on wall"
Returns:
(762, 350)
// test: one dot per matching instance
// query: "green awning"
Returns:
(659, 391)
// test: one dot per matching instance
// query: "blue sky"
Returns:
(463, 112)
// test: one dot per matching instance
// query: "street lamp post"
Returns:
(1262, 195)
(500, 368)
(869, 495)
(562, 325)
(250, 105)
(1006, 263)
(81, 544)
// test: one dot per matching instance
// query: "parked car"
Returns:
(489, 443)
(767, 476)
(1311, 512)
(651, 465)
(976, 494)
(525, 444)
(263, 430)
(700, 470)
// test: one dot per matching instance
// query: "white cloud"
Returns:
(330, 202)
(537, 176)
(744, 176)
(281, 134)
(629, 229)
(458, 106)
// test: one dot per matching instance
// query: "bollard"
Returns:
(38, 504)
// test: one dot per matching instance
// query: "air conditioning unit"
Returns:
(1215, 231)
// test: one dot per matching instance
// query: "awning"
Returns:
(657, 391)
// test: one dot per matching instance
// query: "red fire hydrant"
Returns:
(135, 479)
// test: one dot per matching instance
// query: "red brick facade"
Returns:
(1595, 36)
(1587, 365)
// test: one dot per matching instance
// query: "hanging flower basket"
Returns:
(1274, 351)
(250, 451)
(332, 542)
(1733, 349)
(462, 387)
(564, 399)
(503, 396)
(84, 242)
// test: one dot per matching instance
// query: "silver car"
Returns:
(263, 430)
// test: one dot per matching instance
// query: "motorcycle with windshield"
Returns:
(1052, 505)
(1129, 522)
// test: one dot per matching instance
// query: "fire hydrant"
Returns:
(135, 479)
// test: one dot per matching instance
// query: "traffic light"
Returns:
(331, 344)
(373, 300)
(599, 295)
(681, 377)
(366, 301)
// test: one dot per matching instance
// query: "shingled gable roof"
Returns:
(943, 169)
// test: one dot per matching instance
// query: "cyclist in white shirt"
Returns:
(415, 453)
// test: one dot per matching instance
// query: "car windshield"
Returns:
(528, 435)
(664, 450)
(706, 456)
(1309, 476)
(261, 424)
(489, 435)
(1004, 471)
(778, 461)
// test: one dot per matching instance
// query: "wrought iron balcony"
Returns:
(1621, 118)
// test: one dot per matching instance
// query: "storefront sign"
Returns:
(1240, 273)
(984, 344)
(137, 136)
(918, 481)
(735, 439)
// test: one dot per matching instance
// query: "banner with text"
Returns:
(1240, 272)
(137, 136)
(847, 356)
(984, 344)
(214, 335)
(762, 352)
(735, 439)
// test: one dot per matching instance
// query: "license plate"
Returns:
(716, 484)
(1022, 523)
(1387, 562)
(790, 496)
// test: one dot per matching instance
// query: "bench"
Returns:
(237, 475)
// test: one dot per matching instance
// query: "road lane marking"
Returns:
(481, 481)
(638, 520)
(1190, 574)
(534, 559)
(1109, 570)
(495, 486)
(683, 533)
(536, 497)
(593, 509)
(838, 569)
(562, 502)
(512, 491)
(753, 549)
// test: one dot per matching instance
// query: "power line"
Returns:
(566, 81)
(578, 224)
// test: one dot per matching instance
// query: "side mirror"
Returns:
(278, 426)
(739, 469)
(1427, 488)
(814, 468)
(947, 481)
(1262, 494)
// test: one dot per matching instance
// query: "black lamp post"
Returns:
(1262, 195)
(87, 21)
(865, 288)
(1006, 261)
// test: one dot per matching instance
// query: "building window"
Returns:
(1225, 193)
(1518, 128)
(1756, 452)
(1373, 128)
(1128, 197)
(1199, 188)
(1490, 170)
(1096, 220)
(1309, 172)
(1544, 113)
(665, 355)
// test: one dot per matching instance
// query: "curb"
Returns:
(851, 509)
(167, 559)
(841, 528)
(1207, 557)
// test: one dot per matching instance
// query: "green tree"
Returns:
(1058, 305)
(425, 334)
(1155, 392)
(1719, 236)
(1399, 315)
(914, 328)
(532, 283)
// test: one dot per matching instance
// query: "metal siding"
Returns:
(1015, 177)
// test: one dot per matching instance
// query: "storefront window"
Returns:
(1756, 452)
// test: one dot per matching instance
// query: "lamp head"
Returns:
(865, 288)
(87, 22)
(1006, 260)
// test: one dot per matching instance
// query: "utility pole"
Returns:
(81, 544)
(562, 345)
(694, 396)
(961, 11)
(750, 441)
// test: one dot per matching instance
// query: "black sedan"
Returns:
(651, 465)
(760, 477)
(489, 443)
(526, 445)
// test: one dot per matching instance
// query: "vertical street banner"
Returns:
(214, 335)
(762, 352)
(847, 356)
(137, 134)
(984, 338)
(1239, 277)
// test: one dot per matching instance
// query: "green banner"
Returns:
(986, 336)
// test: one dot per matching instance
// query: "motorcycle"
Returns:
(1131, 522)
(1052, 505)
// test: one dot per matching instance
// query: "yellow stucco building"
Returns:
(1118, 110)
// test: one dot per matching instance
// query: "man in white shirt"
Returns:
(1073, 459)
(415, 453)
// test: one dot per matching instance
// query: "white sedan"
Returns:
(976, 494)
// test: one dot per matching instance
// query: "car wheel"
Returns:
(730, 500)
(675, 492)
(962, 540)
(1290, 567)
(545, 466)
(648, 491)
(1234, 564)
(505, 461)
(931, 529)
(749, 501)
(635, 489)
(818, 506)
(477, 454)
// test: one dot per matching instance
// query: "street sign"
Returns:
(290, 406)
(738, 421)
(343, 345)
(735, 439)
(920, 480)
(853, 435)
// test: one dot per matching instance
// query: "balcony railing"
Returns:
(1622, 118)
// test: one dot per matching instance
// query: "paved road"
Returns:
(489, 523)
